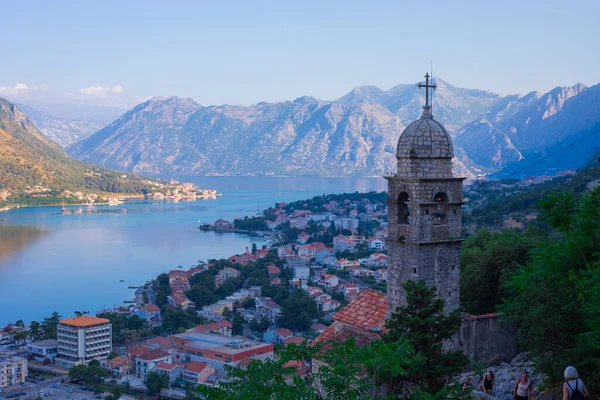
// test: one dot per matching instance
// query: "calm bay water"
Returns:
(51, 261)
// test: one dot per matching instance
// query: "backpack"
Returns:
(575, 393)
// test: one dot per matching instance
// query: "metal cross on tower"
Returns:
(427, 86)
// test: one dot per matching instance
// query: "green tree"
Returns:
(35, 331)
(49, 325)
(227, 313)
(298, 310)
(20, 323)
(237, 325)
(155, 382)
(554, 298)
(254, 248)
(424, 325)
(488, 260)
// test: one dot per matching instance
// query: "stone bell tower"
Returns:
(425, 213)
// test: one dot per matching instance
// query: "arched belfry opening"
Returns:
(440, 214)
(403, 210)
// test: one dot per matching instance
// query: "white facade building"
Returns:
(83, 338)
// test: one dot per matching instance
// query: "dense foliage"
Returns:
(555, 298)
(92, 374)
(298, 311)
(127, 327)
(487, 261)
(423, 323)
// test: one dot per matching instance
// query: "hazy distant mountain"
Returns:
(522, 130)
(63, 131)
(78, 112)
(452, 106)
(354, 135)
(27, 158)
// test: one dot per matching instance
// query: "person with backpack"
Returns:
(573, 389)
(523, 388)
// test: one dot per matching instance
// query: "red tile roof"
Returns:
(273, 269)
(153, 354)
(294, 340)
(367, 311)
(318, 327)
(151, 307)
(166, 366)
(339, 332)
(196, 366)
(283, 332)
(160, 341)
(119, 361)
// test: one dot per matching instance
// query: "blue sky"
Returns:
(240, 52)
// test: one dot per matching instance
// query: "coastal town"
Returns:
(187, 327)
(192, 323)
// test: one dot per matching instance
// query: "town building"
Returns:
(377, 244)
(219, 328)
(149, 312)
(327, 280)
(82, 339)
(267, 308)
(119, 367)
(172, 371)
(218, 351)
(179, 299)
(147, 358)
(277, 335)
(42, 349)
(425, 212)
(197, 372)
(226, 273)
(13, 370)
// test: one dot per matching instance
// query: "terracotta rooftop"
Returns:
(294, 340)
(367, 311)
(84, 320)
(166, 366)
(153, 354)
(151, 307)
(284, 332)
(196, 366)
(119, 361)
(339, 332)
(160, 341)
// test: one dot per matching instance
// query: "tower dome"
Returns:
(425, 138)
(425, 148)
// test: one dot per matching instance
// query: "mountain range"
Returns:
(353, 135)
(73, 124)
(28, 158)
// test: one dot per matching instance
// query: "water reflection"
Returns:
(15, 237)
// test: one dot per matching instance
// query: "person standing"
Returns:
(573, 388)
(487, 383)
(523, 388)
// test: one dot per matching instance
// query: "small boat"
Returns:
(179, 266)
(121, 280)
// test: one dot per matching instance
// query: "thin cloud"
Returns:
(101, 91)
(14, 90)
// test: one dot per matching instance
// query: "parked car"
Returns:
(56, 385)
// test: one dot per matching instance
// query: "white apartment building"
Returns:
(83, 338)
(13, 370)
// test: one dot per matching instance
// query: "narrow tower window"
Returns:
(403, 211)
